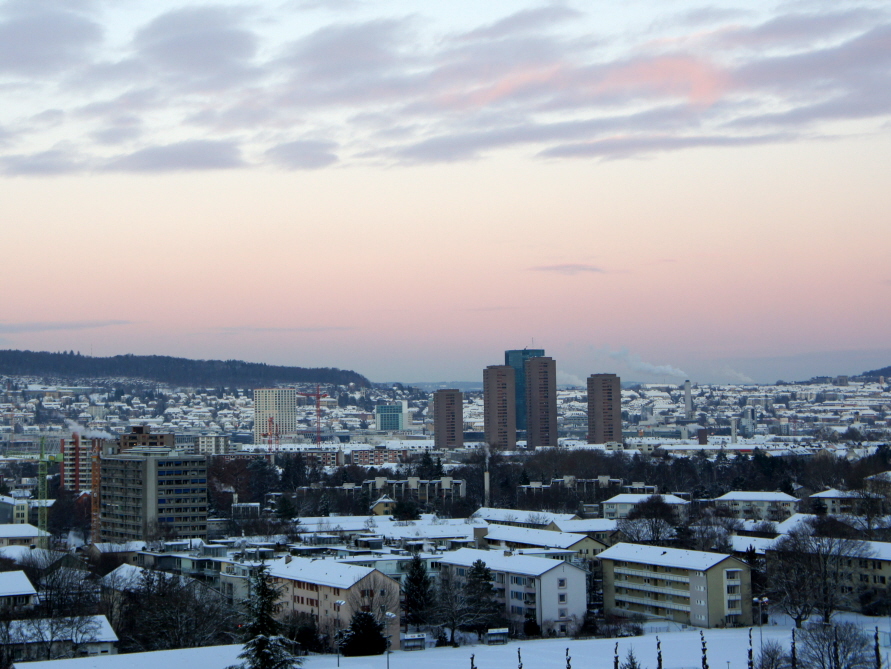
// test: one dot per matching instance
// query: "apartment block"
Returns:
(620, 506)
(77, 461)
(212, 444)
(151, 493)
(541, 401)
(140, 436)
(604, 409)
(331, 592)
(448, 419)
(553, 592)
(499, 406)
(755, 505)
(688, 587)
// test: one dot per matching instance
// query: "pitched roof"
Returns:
(663, 557)
(15, 583)
(525, 535)
(498, 561)
(182, 658)
(755, 496)
(322, 572)
(635, 498)
(520, 516)
(587, 525)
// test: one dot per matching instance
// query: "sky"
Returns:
(659, 189)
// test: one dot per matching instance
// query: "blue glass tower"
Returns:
(517, 360)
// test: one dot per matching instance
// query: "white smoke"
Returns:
(733, 375)
(87, 433)
(634, 362)
(567, 379)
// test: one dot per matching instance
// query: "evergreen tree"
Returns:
(285, 508)
(265, 648)
(418, 592)
(364, 636)
(481, 596)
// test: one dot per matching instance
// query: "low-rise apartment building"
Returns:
(553, 592)
(332, 591)
(688, 587)
(755, 505)
(620, 506)
(505, 536)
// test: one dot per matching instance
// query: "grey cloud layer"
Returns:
(204, 87)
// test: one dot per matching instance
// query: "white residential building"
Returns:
(275, 409)
(620, 505)
(754, 505)
(554, 592)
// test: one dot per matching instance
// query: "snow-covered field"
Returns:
(680, 650)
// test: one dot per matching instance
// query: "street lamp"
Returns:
(389, 616)
(761, 601)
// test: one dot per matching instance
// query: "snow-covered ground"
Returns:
(680, 650)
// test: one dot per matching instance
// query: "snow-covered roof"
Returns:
(38, 556)
(19, 531)
(635, 498)
(15, 583)
(425, 531)
(587, 525)
(322, 572)
(497, 561)
(793, 521)
(91, 629)
(741, 544)
(755, 496)
(181, 658)
(497, 515)
(833, 493)
(663, 557)
(525, 535)
(125, 547)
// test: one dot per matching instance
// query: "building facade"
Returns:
(448, 419)
(153, 493)
(140, 436)
(77, 462)
(756, 505)
(499, 406)
(275, 409)
(604, 409)
(541, 401)
(392, 417)
(687, 587)
(517, 360)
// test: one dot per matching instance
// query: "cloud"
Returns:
(18, 328)
(528, 20)
(623, 147)
(191, 155)
(634, 362)
(569, 269)
(312, 328)
(43, 163)
(39, 39)
(202, 47)
(303, 154)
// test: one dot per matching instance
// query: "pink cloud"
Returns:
(701, 82)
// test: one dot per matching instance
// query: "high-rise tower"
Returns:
(275, 410)
(517, 359)
(541, 402)
(448, 418)
(604, 408)
(499, 388)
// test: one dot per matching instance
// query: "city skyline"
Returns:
(660, 190)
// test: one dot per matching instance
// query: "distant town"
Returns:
(143, 517)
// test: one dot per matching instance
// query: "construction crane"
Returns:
(318, 395)
(41, 491)
(272, 435)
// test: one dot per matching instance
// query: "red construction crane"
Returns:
(273, 435)
(318, 395)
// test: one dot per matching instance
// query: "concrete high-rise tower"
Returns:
(604, 408)
(499, 388)
(448, 418)
(279, 404)
(517, 359)
(541, 402)
(688, 400)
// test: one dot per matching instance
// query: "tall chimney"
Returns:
(733, 430)
(486, 487)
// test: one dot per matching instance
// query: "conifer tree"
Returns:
(364, 636)
(418, 593)
(481, 596)
(265, 648)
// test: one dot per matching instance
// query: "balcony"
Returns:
(652, 602)
(652, 574)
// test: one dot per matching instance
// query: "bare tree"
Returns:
(655, 531)
(841, 646)
(790, 584)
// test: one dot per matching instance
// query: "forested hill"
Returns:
(164, 369)
(876, 373)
